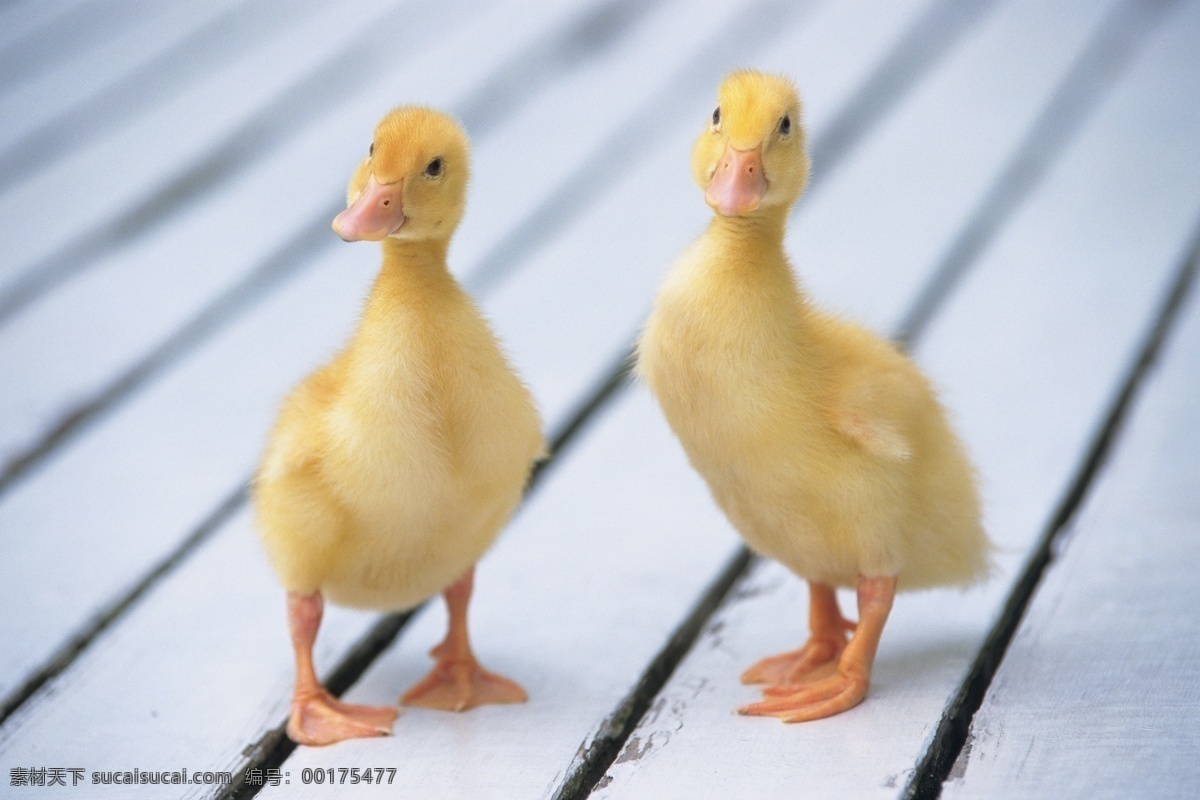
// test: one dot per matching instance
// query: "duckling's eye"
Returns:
(785, 125)
(371, 150)
(434, 168)
(717, 116)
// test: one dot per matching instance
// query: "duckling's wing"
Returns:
(878, 436)
(876, 390)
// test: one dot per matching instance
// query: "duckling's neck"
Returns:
(406, 262)
(746, 279)
(408, 296)
(748, 251)
(764, 229)
(751, 240)
(413, 274)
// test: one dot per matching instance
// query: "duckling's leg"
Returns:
(848, 686)
(457, 682)
(818, 657)
(317, 717)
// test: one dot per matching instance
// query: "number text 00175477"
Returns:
(323, 775)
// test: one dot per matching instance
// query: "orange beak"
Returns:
(374, 215)
(739, 184)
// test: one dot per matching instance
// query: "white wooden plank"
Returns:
(241, 376)
(626, 574)
(56, 365)
(75, 81)
(836, 47)
(130, 719)
(71, 34)
(122, 167)
(121, 34)
(63, 349)
(296, 334)
(1097, 695)
(567, 132)
(245, 442)
(921, 177)
(43, 497)
(497, 754)
(581, 593)
(1027, 356)
(25, 18)
(629, 609)
(102, 482)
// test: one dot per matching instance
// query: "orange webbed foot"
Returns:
(457, 685)
(457, 682)
(811, 698)
(817, 659)
(825, 698)
(319, 719)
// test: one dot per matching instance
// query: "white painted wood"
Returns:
(40, 505)
(1028, 355)
(127, 35)
(65, 348)
(1097, 695)
(300, 332)
(18, 19)
(101, 482)
(209, 627)
(136, 40)
(922, 174)
(576, 599)
(239, 379)
(124, 166)
(611, 298)
(34, 29)
(576, 116)
(54, 364)
(587, 633)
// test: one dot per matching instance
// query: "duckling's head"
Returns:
(752, 156)
(413, 183)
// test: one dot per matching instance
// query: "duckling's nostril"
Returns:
(386, 202)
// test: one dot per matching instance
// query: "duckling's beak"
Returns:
(739, 184)
(374, 215)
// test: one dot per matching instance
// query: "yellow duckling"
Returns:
(393, 468)
(821, 442)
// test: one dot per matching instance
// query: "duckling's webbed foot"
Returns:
(320, 719)
(814, 701)
(847, 686)
(457, 682)
(317, 717)
(460, 685)
(818, 658)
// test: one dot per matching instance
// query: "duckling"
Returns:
(391, 470)
(824, 446)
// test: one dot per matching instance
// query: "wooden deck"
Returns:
(1011, 188)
